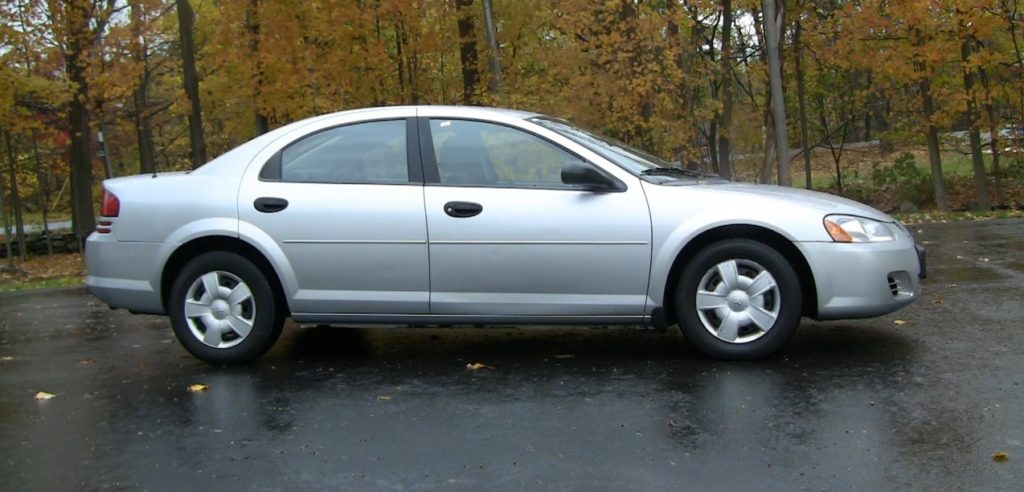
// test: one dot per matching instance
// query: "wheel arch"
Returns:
(775, 240)
(205, 244)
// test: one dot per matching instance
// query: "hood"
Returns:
(824, 202)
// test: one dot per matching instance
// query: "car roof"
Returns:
(226, 163)
(481, 111)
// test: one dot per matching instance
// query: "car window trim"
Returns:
(272, 172)
(432, 174)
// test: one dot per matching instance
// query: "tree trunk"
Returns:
(401, 60)
(765, 176)
(108, 167)
(934, 157)
(928, 108)
(143, 129)
(7, 223)
(43, 179)
(773, 33)
(836, 156)
(993, 129)
(713, 136)
(412, 67)
(724, 160)
(974, 132)
(494, 61)
(140, 96)
(83, 217)
(252, 27)
(12, 169)
(801, 89)
(196, 138)
(467, 51)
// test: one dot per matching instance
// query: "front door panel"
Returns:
(539, 252)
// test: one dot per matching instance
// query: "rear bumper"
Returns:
(124, 274)
(864, 280)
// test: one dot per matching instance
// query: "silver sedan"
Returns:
(459, 215)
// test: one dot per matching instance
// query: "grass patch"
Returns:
(37, 217)
(943, 217)
(44, 272)
(45, 283)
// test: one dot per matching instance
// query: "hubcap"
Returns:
(738, 301)
(220, 309)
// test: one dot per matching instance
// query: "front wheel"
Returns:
(738, 299)
(223, 309)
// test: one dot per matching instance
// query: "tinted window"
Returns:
(632, 159)
(476, 153)
(373, 152)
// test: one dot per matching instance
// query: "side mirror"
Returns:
(589, 178)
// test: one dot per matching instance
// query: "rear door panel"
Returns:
(353, 248)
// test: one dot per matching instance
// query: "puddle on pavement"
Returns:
(956, 273)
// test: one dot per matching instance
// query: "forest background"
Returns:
(904, 104)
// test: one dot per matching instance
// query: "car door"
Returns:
(344, 206)
(507, 238)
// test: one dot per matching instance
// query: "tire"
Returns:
(738, 299)
(213, 328)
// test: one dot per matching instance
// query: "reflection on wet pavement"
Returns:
(859, 404)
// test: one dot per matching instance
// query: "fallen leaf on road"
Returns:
(383, 398)
(196, 388)
(936, 300)
(476, 366)
(899, 322)
(87, 362)
(564, 356)
(1001, 456)
(42, 395)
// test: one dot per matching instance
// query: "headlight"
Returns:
(850, 229)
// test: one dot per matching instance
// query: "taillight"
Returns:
(111, 205)
(110, 208)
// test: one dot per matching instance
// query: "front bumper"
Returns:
(124, 274)
(861, 280)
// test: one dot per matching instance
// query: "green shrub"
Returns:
(906, 181)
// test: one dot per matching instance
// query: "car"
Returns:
(427, 215)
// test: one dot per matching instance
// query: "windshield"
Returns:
(633, 160)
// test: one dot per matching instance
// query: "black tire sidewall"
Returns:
(766, 256)
(266, 328)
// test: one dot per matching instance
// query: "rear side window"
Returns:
(372, 152)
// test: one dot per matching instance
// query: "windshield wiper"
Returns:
(676, 171)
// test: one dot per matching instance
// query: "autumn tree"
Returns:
(701, 82)
(77, 27)
(190, 75)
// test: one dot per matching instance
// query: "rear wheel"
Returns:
(738, 299)
(223, 310)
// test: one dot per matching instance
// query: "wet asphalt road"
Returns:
(867, 404)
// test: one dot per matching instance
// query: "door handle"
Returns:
(269, 204)
(462, 209)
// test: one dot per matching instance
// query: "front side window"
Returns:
(372, 152)
(486, 154)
